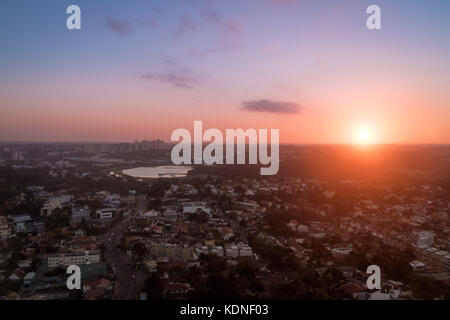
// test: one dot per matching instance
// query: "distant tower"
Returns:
(17, 156)
(136, 145)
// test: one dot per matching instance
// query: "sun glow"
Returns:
(363, 136)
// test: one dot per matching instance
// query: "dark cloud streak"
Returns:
(121, 27)
(271, 106)
(179, 78)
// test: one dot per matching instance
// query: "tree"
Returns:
(218, 287)
(154, 204)
(139, 249)
(215, 264)
(333, 277)
(153, 287)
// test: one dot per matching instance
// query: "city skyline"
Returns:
(141, 70)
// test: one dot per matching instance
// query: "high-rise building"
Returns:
(17, 156)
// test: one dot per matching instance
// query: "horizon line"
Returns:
(281, 143)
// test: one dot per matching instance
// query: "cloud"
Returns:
(177, 77)
(228, 28)
(285, 88)
(147, 22)
(228, 32)
(231, 28)
(186, 23)
(270, 106)
(121, 27)
(203, 52)
(214, 50)
(281, 2)
(211, 16)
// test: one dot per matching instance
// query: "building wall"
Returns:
(72, 259)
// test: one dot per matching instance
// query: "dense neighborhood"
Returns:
(209, 236)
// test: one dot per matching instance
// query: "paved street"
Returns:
(127, 286)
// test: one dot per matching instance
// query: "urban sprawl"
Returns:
(214, 234)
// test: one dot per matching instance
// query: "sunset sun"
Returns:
(363, 136)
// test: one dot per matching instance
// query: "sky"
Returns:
(141, 69)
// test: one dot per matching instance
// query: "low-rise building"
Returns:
(5, 228)
(195, 207)
(20, 222)
(79, 213)
(51, 205)
(172, 251)
(73, 258)
(106, 213)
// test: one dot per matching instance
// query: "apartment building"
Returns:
(435, 259)
(5, 228)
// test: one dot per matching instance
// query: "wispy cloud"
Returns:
(125, 27)
(270, 106)
(121, 27)
(203, 52)
(231, 28)
(175, 76)
(285, 88)
(229, 32)
(283, 1)
(228, 28)
(147, 22)
(211, 16)
(186, 23)
(213, 50)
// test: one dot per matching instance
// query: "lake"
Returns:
(158, 172)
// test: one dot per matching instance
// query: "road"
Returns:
(126, 286)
